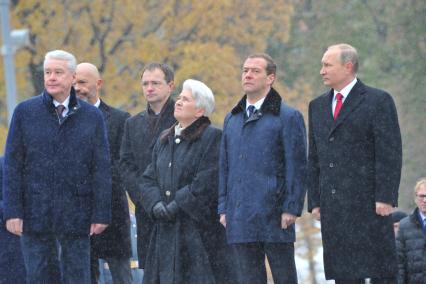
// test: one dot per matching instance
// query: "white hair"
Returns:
(202, 95)
(61, 55)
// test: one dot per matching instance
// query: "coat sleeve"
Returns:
(148, 187)
(13, 170)
(101, 173)
(388, 151)
(129, 169)
(294, 141)
(196, 198)
(402, 259)
(313, 169)
(223, 170)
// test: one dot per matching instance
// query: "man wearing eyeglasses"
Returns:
(140, 133)
(411, 241)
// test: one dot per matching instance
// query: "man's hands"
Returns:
(96, 229)
(383, 209)
(287, 220)
(316, 213)
(15, 226)
(223, 219)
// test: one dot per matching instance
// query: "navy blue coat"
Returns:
(57, 175)
(262, 171)
(12, 269)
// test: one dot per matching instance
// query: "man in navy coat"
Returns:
(354, 171)
(261, 176)
(12, 269)
(113, 245)
(57, 177)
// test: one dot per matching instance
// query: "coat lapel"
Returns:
(353, 100)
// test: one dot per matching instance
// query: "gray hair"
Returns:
(202, 95)
(61, 55)
(348, 53)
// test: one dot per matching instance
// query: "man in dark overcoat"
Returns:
(12, 269)
(113, 245)
(57, 176)
(140, 134)
(354, 172)
(262, 172)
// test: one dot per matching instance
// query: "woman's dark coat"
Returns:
(411, 249)
(192, 248)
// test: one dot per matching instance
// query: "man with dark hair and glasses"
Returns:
(140, 134)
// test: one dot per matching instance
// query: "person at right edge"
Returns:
(354, 170)
(411, 241)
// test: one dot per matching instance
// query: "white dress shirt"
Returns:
(345, 92)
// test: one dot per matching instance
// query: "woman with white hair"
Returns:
(179, 191)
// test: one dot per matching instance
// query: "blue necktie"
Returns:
(251, 109)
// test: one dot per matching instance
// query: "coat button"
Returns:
(170, 164)
(331, 165)
(177, 140)
(168, 193)
(331, 139)
(333, 191)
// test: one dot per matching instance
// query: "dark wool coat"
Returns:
(140, 133)
(355, 162)
(57, 175)
(12, 269)
(262, 171)
(191, 249)
(115, 240)
(411, 248)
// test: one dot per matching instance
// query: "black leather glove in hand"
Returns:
(173, 209)
(160, 211)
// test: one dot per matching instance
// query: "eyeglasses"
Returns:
(421, 196)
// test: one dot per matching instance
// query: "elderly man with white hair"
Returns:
(179, 191)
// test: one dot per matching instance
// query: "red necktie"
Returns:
(339, 103)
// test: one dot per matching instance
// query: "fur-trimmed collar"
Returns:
(271, 104)
(192, 132)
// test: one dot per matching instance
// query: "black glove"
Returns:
(173, 209)
(160, 211)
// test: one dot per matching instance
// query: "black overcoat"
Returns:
(192, 249)
(354, 162)
(140, 133)
(115, 240)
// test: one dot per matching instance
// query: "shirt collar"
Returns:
(64, 103)
(98, 103)
(423, 216)
(257, 104)
(346, 90)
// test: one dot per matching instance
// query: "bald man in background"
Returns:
(113, 245)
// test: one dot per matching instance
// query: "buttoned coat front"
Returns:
(191, 249)
(262, 171)
(57, 175)
(355, 162)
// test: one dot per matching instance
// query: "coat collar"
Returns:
(272, 103)
(73, 106)
(191, 133)
(168, 108)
